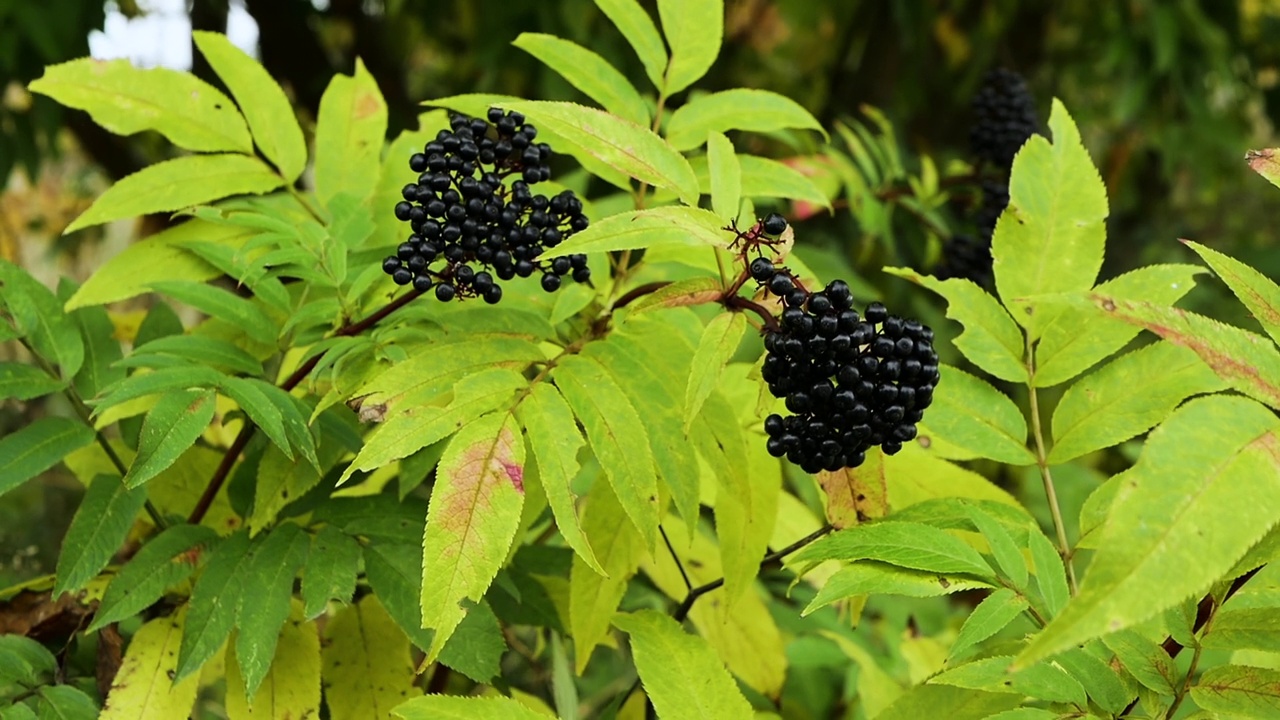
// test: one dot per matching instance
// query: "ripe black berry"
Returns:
(462, 203)
(851, 382)
(761, 269)
(774, 224)
(1004, 117)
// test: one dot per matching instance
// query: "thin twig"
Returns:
(688, 586)
(1042, 460)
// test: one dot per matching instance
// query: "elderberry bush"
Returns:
(851, 381)
(1004, 116)
(478, 229)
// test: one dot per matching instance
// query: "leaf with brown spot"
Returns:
(1255, 290)
(1239, 690)
(144, 688)
(472, 518)
(350, 129)
(694, 291)
(856, 494)
(1264, 163)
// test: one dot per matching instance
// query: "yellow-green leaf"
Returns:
(124, 99)
(457, 707)
(143, 688)
(998, 432)
(365, 663)
(642, 229)
(737, 109)
(37, 447)
(638, 29)
(97, 531)
(867, 577)
(594, 596)
(725, 174)
(1211, 469)
(177, 184)
(588, 72)
(856, 494)
(350, 128)
(695, 291)
(719, 342)
(176, 421)
(291, 690)
(1239, 691)
(1258, 292)
(681, 674)
(471, 521)
(694, 30)
(265, 107)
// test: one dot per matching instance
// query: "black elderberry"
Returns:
(761, 269)
(774, 224)
(473, 201)
(1004, 117)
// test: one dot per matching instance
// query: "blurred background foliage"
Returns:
(1169, 95)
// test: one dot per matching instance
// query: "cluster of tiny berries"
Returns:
(1004, 118)
(461, 211)
(851, 381)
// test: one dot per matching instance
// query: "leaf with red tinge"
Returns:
(1239, 690)
(471, 521)
(1249, 362)
(1264, 163)
(856, 494)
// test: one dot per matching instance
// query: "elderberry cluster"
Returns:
(1004, 116)
(852, 381)
(461, 211)
(1004, 119)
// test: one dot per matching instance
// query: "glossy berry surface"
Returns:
(473, 214)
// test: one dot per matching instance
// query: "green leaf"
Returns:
(617, 437)
(620, 144)
(421, 371)
(97, 531)
(101, 351)
(366, 667)
(588, 72)
(394, 570)
(126, 100)
(21, 381)
(1126, 397)
(250, 395)
(726, 176)
(1244, 628)
(1247, 361)
(173, 425)
(991, 616)
(643, 229)
(265, 107)
(906, 544)
(332, 566)
(224, 305)
(695, 291)
(63, 702)
(350, 128)
(216, 353)
(267, 587)
(162, 380)
(694, 30)
(24, 660)
(554, 441)
(31, 450)
(999, 432)
(1007, 554)
(593, 595)
(1255, 290)
(991, 339)
(159, 257)
(406, 434)
(1239, 690)
(164, 561)
(929, 700)
(1144, 659)
(476, 647)
(214, 601)
(1101, 681)
(1211, 469)
(1051, 574)
(1051, 237)
(867, 577)
(768, 178)
(1074, 340)
(716, 348)
(737, 109)
(292, 687)
(177, 184)
(144, 687)
(457, 707)
(471, 521)
(681, 674)
(638, 29)
(38, 315)
(1041, 681)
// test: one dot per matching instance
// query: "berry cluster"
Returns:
(1004, 119)
(852, 381)
(461, 211)
(1004, 116)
